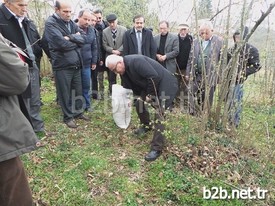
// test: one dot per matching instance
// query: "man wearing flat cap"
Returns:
(185, 42)
(112, 42)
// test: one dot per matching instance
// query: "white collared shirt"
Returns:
(205, 43)
(19, 18)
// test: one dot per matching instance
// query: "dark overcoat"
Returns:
(148, 47)
(148, 77)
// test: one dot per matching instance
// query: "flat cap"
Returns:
(111, 17)
(183, 26)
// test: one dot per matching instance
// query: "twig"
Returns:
(25, 50)
(231, 185)
(267, 131)
(220, 11)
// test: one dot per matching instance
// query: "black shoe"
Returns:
(89, 110)
(82, 116)
(71, 124)
(141, 131)
(152, 155)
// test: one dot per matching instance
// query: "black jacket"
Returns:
(146, 76)
(249, 61)
(148, 47)
(65, 54)
(11, 30)
(184, 50)
(101, 51)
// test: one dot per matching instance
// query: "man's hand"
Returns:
(161, 58)
(116, 52)
(93, 66)
(148, 98)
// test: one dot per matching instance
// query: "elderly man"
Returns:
(112, 42)
(16, 27)
(203, 65)
(65, 39)
(185, 43)
(155, 85)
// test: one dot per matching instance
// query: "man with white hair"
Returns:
(17, 28)
(203, 66)
(153, 84)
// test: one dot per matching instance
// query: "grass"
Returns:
(100, 164)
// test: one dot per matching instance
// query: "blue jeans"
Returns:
(86, 86)
(235, 107)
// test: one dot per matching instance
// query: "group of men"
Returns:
(157, 68)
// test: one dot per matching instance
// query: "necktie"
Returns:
(139, 41)
(28, 45)
(114, 36)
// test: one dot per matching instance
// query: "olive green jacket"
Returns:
(16, 133)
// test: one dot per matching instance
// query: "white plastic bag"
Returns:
(121, 105)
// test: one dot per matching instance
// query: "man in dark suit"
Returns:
(16, 27)
(139, 40)
(153, 84)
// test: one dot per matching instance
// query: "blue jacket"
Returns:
(89, 50)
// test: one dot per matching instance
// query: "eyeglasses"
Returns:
(115, 68)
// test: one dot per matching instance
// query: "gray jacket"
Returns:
(171, 50)
(107, 39)
(212, 59)
(16, 133)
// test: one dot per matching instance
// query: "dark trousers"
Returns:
(33, 104)
(94, 84)
(14, 186)
(69, 92)
(158, 140)
(182, 99)
(199, 96)
(111, 80)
